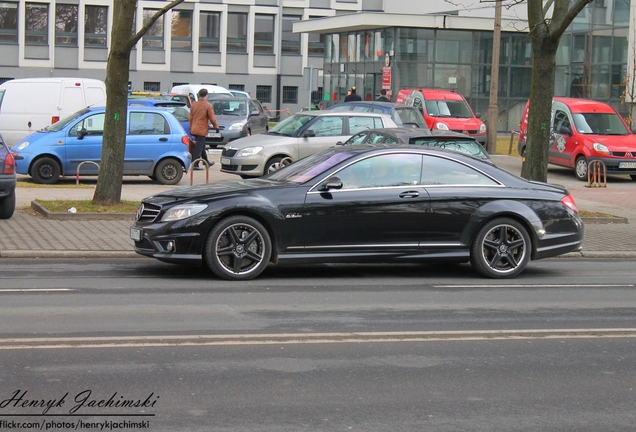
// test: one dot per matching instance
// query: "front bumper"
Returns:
(617, 165)
(252, 166)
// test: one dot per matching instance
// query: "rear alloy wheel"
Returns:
(7, 205)
(277, 163)
(169, 171)
(501, 249)
(238, 248)
(46, 170)
(580, 168)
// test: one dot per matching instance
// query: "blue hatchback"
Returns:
(156, 146)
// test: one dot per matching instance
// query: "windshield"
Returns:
(230, 108)
(310, 167)
(447, 108)
(291, 125)
(599, 124)
(469, 147)
(56, 127)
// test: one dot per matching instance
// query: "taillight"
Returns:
(185, 140)
(569, 202)
(55, 119)
(9, 164)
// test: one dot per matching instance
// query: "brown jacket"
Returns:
(200, 112)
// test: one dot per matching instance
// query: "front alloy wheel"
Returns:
(501, 249)
(277, 163)
(580, 168)
(238, 248)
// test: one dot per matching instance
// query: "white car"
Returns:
(294, 138)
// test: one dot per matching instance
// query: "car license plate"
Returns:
(135, 234)
(627, 164)
(225, 161)
(214, 135)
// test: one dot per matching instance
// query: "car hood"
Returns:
(264, 139)
(455, 123)
(616, 143)
(206, 192)
(223, 120)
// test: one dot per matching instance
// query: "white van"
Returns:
(192, 90)
(30, 104)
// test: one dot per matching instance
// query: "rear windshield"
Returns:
(410, 116)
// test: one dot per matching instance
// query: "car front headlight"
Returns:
(442, 126)
(601, 148)
(249, 151)
(236, 126)
(20, 146)
(183, 211)
(482, 128)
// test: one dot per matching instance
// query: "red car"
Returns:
(445, 110)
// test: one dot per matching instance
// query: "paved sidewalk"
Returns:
(28, 234)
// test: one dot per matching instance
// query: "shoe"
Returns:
(196, 168)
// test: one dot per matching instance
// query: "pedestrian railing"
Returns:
(207, 170)
(596, 174)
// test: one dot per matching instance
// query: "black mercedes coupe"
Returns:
(363, 203)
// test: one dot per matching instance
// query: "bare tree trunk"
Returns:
(111, 170)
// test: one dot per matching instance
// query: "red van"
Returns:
(445, 110)
(584, 130)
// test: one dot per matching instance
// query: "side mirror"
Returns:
(82, 133)
(309, 134)
(478, 114)
(330, 183)
(564, 130)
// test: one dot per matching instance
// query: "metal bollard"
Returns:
(512, 137)
(207, 170)
(596, 174)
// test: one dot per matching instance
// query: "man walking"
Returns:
(383, 97)
(353, 97)
(201, 112)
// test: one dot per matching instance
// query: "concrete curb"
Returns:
(68, 254)
(63, 216)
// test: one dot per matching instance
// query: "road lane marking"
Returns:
(11, 290)
(311, 338)
(538, 286)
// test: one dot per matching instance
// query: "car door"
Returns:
(84, 144)
(257, 120)
(325, 132)
(380, 208)
(561, 143)
(148, 138)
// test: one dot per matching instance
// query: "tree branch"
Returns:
(142, 31)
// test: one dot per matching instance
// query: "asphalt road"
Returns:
(318, 348)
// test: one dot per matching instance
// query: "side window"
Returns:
(254, 106)
(375, 138)
(441, 171)
(357, 139)
(399, 169)
(561, 120)
(94, 125)
(328, 126)
(142, 123)
(359, 108)
(358, 124)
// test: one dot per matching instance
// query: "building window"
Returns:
(264, 93)
(152, 86)
(209, 31)
(316, 45)
(4, 80)
(9, 22)
(36, 24)
(181, 24)
(236, 32)
(154, 36)
(264, 34)
(290, 95)
(291, 41)
(95, 26)
(240, 87)
(66, 24)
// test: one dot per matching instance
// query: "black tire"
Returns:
(581, 167)
(169, 171)
(632, 176)
(238, 248)
(276, 163)
(501, 249)
(46, 170)
(7, 206)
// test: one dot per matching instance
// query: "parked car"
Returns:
(29, 104)
(179, 109)
(7, 181)
(156, 146)
(192, 90)
(158, 95)
(432, 205)
(585, 130)
(445, 110)
(240, 93)
(403, 116)
(436, 138)
(237, 117)
(294, 138)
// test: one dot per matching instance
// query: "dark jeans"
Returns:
(199, 150)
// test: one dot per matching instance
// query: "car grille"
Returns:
(148, 212)
(230, 167)
(228, 152)
(623, 154)
(464, 131)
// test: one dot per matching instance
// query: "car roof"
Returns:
(401, 131)
(149, 102)
(437, 94)
(373, 103)
(578, 105)
(327, 113)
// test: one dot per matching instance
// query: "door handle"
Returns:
(163, 139)
(410, 194)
